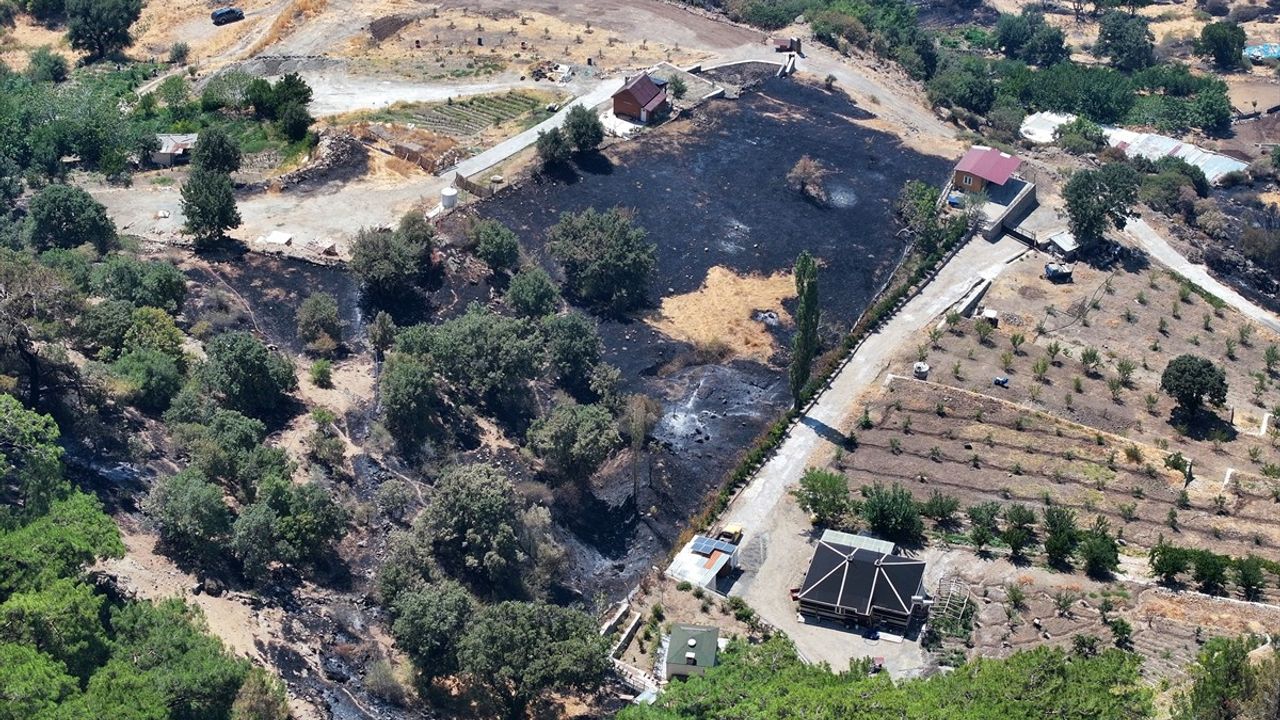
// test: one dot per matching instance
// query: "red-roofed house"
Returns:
(982, 166)
(640, 99)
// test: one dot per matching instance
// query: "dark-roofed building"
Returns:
(691, 650)
(641, 99)
(855, 581)
(982, 166)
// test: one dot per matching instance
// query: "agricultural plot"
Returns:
(468, 117)
(1084, 424)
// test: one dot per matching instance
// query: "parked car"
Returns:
(225, 15)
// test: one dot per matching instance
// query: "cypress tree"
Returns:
(804, 346)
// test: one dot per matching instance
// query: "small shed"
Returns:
(691, 649)
(174, 149)
(1062, 244)
(704, 561)
(641, 99)
(983, 166)
(786, 44)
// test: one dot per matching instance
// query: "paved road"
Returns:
(511, 146)
(1159, 248)
(836, 406)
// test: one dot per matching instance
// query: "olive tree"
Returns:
(607, 260)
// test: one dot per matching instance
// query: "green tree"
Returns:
(1209, 569)
(892, 513)
(532, 294)
(963, 82)
(66, 216)
(472, 523)
(553, 147)
(1125, 40)
(824, 495)
(575, 438)
(247, 377)
(1096, 198)
(168, 643)
(30, 455)
(583, 128)
(73, 533)
(495, 244)
(1061, 535)
(309, 519)
(261, 697)
(1223, 680)
(102, 327)
(101, 27)
(804, 344)
(391, 263)
(1190, 380)
(209, 205)
(1099, 551)
(940, 508)
(61, 620)
(44, 65)
(678, 87)
(32, 684)
(382, 333)
(153, 378)
(1250, 576)
(153, 329)
(189, 513)
(573, 349)
(607, 259)
(429, 624)
(145, 283)
(487, 355)
(215, 151)
(407, 393)
(1224, 42)
(255, 539)
(319, 324)
(294, 121)
(521, 650)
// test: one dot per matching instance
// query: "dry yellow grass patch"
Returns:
(1272, 197)
(26, 36)
(286, 21)
(720, 312)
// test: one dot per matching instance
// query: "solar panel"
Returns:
(703, 545)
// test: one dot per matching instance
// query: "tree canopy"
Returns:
(1125, 40)
(101, 27)
(607, 260)
(209, 206)
(472, 522)
(246, 376)
(583, 128)
(65, 216)
(1224, 42)
(768, 681)
(391, 263)
(521, 650)
(1190, 380)
(1098, 198)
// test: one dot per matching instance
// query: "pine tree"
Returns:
(804, 346)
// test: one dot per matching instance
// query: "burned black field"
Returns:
(711, 190)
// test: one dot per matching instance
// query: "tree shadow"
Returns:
(593, 162)
(1202, 424)
(825, 431)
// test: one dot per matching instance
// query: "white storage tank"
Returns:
(449, 197)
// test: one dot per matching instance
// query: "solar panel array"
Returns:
(703, 545)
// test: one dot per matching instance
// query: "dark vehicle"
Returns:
(225, 15)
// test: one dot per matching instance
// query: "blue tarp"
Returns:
(1263, 52)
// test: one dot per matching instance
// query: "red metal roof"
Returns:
(643, 91)
(989, 164)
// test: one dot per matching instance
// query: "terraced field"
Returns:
(472, 116)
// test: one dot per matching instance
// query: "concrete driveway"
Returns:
(778, 539)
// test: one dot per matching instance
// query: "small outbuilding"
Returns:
(786, 44)
(174, 149)
(642, 98)
(859, 579)
(983, 166)
(691, 649)
(704, 561)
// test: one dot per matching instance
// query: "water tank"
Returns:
(449, 197)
